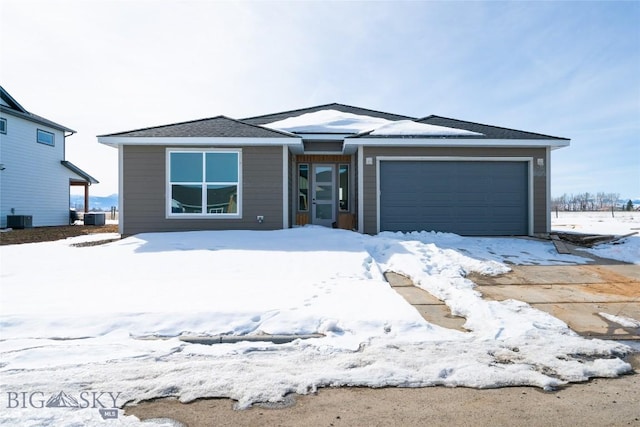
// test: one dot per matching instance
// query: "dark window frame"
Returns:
(40, 132)
(301, 208)
(347, 207)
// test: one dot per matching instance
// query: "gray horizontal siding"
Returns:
(144, 191)
(34, 181)
(369, 196)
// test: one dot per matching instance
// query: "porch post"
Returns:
(86, 197)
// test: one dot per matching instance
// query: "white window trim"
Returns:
(528, 160)
(3, 120)
(205, 215)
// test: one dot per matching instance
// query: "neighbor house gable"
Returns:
(8, 101)
(36, 177)
(10, 106)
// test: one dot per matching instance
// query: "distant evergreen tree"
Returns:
(629, 206)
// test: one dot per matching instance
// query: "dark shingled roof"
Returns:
(214, 127)
(489, 132)
(14, 108)
(270, 118)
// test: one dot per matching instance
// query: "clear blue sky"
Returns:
(569, 69)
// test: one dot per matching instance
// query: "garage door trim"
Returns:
(528, 160)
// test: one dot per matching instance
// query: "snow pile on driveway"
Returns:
(80, 319)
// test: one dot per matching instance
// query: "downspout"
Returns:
(64, 144)
(64, 157)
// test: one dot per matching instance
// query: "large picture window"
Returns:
(204, 183)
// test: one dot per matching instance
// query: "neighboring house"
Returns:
(335, 165)
(35, 178)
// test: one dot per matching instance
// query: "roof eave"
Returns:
(116, 141)
(128, 134)
(467, 122)
(456, 142)
(36, 119)
(11, 100)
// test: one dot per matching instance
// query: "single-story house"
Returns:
(35, 177)
(335, 165)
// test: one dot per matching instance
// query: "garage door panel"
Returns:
(464, 197)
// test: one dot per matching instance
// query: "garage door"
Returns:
(474, 198)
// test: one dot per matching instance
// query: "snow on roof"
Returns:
(334, 121)
(329, 121)
(411, 128)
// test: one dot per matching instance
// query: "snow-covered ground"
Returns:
(618, 223)
(92, 328)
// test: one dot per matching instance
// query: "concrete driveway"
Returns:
(576, 294)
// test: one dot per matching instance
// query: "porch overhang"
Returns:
(84, 180)
(85, 177)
